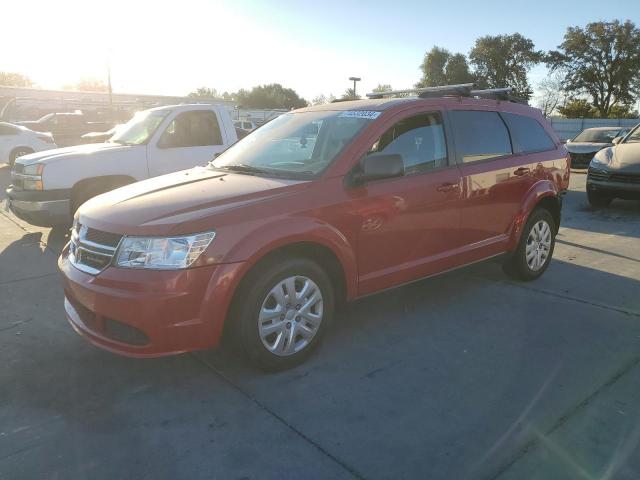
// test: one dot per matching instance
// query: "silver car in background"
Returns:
(587, 143)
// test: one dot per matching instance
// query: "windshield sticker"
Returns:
(360, 114)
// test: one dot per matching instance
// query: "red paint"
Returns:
(384, 234)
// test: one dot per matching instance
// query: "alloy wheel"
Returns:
(538, 245)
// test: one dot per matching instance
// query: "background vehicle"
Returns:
(321, 205)
(66, 128)
(245, 125)
(16, 141)
(48, 187)
(99, 137)
(584, 146)
(614, 172)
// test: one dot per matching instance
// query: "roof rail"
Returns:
(462, 89)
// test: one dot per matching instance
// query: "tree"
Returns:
(440, 67)
(381, 88)
(602, 61)
(577, 108)
(319, 100)
(205, 92)
(503, 61)
(550, 95)
(350, 94)
(270, 96)
(622, 111)
(12, 79)
(88, 85)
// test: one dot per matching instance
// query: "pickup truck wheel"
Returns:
(18, 152)
(598, 199)
(286, 308)
(535, 249)
(89, 190)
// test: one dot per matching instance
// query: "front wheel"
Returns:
(283, 311)
(598, 199)
(535, 249)
(18, 152)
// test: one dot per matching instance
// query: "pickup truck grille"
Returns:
(92, 250)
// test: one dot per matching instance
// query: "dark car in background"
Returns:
(614, 171)
(67, 128)
(587, 143)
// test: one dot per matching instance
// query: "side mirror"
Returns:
(379, 166)
(616, 140)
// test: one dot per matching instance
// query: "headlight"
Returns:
(603, 157)
(162, 253)
(35, 169)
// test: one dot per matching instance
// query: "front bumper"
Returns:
(41, 208)
(145, 313)
(621, 185)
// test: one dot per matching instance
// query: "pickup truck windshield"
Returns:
(296, 145)
(139, 129)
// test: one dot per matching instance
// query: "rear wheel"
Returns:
(18, 152)
(283, 311)
(535, 249)
(598, 199)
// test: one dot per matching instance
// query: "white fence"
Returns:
(569, 127)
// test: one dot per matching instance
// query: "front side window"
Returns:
(198, 128)
(527, 134)
(295, 145)
(633, 136)
(479, 135)
(140, 128)
(418, 140)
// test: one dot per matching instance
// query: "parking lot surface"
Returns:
(467, 375)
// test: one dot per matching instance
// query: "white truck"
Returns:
(48, 187)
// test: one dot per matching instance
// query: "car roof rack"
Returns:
(462, 89)
(458, 90)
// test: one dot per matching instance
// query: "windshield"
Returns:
(633, 136)
(597, 136)
(296, 145)
(139, 129)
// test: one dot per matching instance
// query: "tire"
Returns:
(90, 190)
(18, 152)
(266, 321)
(538, 238)
(597, 199)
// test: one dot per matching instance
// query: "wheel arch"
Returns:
(19, 147)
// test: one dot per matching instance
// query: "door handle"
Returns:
(522, 171)
(447, 187)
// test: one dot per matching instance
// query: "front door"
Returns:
(192, 138)
(409, 224)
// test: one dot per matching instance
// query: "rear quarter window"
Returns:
(527, 134)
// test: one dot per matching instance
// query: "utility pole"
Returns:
(354, 79)
(109, 87)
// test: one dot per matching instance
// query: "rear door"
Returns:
(408, 225)
(191, 138)
(497, 172)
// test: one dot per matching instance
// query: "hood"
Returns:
(164, 205)
(48, 156)
(34, 125)
(585, 147)
(626, 157)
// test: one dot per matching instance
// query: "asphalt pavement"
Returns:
(467, 375)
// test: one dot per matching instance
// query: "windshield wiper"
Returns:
(121, 142)
(242, 168)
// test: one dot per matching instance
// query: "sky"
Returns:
(174, 47)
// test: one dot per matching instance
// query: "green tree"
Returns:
(440, 67)
(602, 61)
(623, 111)
(503, 61)
(577, 108)
(205, 92)
(12, 79)
(381, 88)
(319, 100)
(270, 96)
(350, 94)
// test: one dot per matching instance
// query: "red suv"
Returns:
(321, 205)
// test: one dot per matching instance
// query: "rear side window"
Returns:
(419, 140)
(479, 135)
(527, 134)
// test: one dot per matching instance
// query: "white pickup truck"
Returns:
(47, 187)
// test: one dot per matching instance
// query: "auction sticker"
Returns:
(360, 114)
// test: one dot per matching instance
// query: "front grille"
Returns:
(92, 250)
(599, 175)
(18, 168)
(581, 158)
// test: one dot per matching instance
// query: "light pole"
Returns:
(354, 79)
